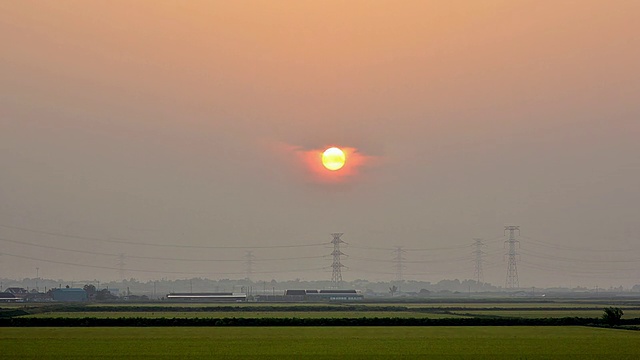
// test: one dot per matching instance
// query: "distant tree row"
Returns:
(99, 295)
(140, 321)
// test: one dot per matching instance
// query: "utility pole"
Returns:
(479, 255)
(248, 262)
(121, 265)
(37, 277)
(399, 265)
(512, 268)
(336, 276)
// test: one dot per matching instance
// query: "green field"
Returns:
(326, 310)
(547, 313)
(244, 314)
(322, 342)
(489, 342)
(515, 305)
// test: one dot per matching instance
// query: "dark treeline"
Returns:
(216, 308)
(141, 321)
(281, 308)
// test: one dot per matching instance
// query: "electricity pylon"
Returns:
(336, 276)
(512, 267)
(479, 259)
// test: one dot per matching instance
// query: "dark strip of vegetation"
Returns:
(621, 327)
(7, 313)
(284, 308)
(145, 322)
(509, 301)
(216, 308)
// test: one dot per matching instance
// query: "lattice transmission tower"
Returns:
(248, 263)
(479, 259)
(336, 276)
(512, 267)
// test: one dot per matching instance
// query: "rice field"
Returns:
(460, 342)
(587, 313)
(322, 342)
(322, 310)
(244, 314)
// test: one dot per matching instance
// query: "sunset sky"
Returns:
(194, 125)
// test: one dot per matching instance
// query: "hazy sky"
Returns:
(197, 124)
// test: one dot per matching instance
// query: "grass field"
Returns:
(322, 342)
(516, 305)
(324, 310)
(245, 314)
(488, 342)
(628, 314)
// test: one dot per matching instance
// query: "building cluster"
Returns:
(67, 294)
(287, 296)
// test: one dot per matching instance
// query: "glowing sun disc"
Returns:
(333, 159)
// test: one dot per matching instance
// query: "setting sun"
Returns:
(333, 159)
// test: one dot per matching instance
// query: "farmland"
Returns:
(355, 342)
(526, 310)
(546, 313)
(139, 331)
(243, 314)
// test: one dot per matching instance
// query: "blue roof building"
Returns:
(69, 294)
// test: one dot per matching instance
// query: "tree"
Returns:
(612, 315)
(91, 290)
(105, 294)
(393, 290)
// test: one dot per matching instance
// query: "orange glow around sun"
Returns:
(330, 164)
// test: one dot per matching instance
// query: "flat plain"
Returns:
(566, 342)
(246, 314)
(325, 310)
(459, 342)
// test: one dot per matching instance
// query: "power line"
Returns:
(156, 271)
(493, 240)
(439, 248)
(456, 247)
(360, 270)
(129, 242)
(574, 248)
(579, 261)
(583, 273)
(121, 265)
(151, 257)
(441, 260)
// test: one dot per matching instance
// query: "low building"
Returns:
(207, 297)
(334, 295)
(9, 297)
(69, 295)
(18, 292)
(313, 296)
